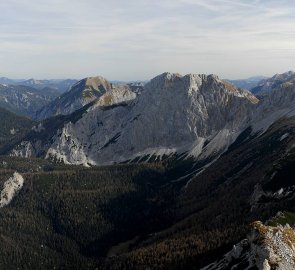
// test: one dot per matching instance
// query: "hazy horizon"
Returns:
(136, 40)
(130, 80)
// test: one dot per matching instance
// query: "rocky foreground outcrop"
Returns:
(266, 248)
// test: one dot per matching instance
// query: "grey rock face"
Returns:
(197, 114)
(277, 102)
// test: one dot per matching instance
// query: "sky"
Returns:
(139, 39)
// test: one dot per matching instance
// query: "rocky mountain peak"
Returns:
(163, 80)
(175, 80)
(98, 83)
(80, 94)
(204, 84)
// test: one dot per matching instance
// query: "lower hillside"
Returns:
(70, 217)
(145, 216)
(13, 128)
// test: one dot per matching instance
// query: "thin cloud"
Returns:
(138, 39)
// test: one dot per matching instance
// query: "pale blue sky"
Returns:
(138, 39)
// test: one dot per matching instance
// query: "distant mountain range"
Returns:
(40, 99)
(25, 100)
(249, 83)
(25, 97)
(58, 85)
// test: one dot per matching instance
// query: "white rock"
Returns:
(10, 188)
